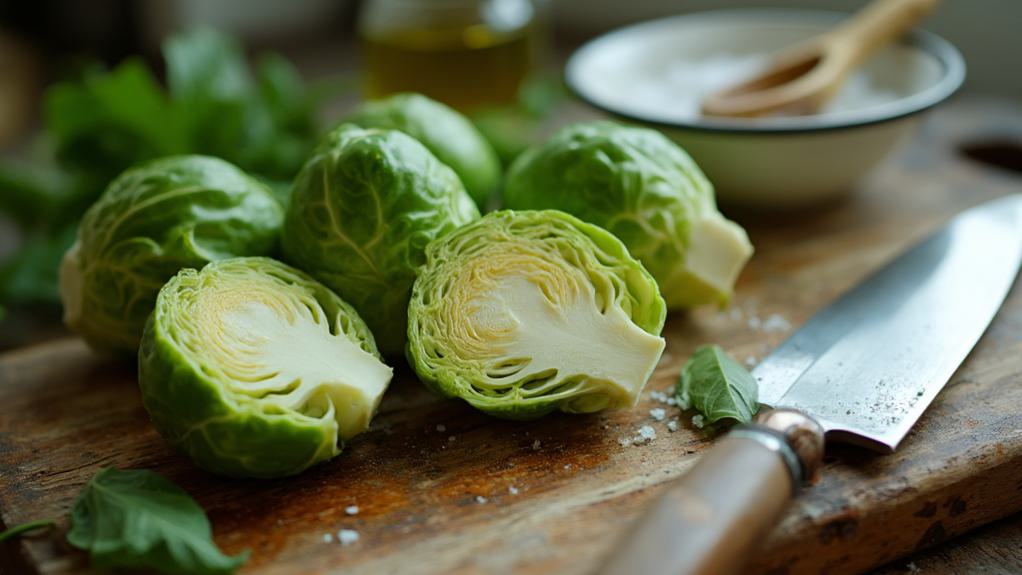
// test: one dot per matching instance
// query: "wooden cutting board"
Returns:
(443, 489)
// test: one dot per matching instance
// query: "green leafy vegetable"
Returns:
(261, 118)
(153, 220)
(717, 386)
(645, 190)
(138, 519)
(18, 530)
(255, 369)
(30, 276)
(362, 211)
(444, 132)
(525, 313)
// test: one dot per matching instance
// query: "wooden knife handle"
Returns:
(711, 518)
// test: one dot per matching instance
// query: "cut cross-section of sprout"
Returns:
(255, 369)
(524, 313)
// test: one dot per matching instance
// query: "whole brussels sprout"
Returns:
(254, 369)
(524, 313)
(153, 220)
(362, 210)
(648, 192)
(450, 136)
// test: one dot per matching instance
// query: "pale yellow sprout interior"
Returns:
(536, 326)
(271, 340)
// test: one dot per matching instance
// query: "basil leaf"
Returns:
(717, 386)
(138, 519)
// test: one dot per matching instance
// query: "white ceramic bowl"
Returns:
(638, 73)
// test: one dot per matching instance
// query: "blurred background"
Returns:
(46, 40)
(89, 88)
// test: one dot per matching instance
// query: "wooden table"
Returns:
(64, 413)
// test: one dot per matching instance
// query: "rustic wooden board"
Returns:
(65, 413)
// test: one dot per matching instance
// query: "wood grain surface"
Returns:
(488, 496)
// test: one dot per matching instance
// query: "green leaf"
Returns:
(138, 519)
(717, 386)
(30, 275)
(204, 64)
(25, 527)
(111, 121)
(261, 118)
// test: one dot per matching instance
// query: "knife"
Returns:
(861, 371)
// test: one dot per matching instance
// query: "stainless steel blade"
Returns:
(868, 365)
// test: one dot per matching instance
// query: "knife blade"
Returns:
(867, 366)
(862, 370)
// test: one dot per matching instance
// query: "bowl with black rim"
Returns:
(655, 74)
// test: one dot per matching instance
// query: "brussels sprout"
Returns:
(254, 369)
(450, 136)
(362, 210)
(523, 313)
(648, 192)
(153, 220)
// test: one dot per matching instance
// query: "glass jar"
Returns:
(466, 53)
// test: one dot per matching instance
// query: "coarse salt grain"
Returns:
(671, 401)
(441, 427)
(672, 425)
(481, 500)
(699, 421)
(351, 510)
(451, 438)
(535, 445)
(328, 537)
(658, 413)
(658, 396)
(645, 434)
(775, 322)
(512, 490)
(624, 441)
(347, 536)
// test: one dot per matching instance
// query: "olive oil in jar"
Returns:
(465, 53)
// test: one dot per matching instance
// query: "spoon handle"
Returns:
(878, 23)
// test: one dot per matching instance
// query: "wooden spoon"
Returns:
(802, 78)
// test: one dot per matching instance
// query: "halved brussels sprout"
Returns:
(450, 136)
(362, 210)
(648, 192)
(153, 220)
(524, 313)
(254, 369)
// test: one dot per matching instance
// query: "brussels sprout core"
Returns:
(270, 347)
(524, 313)
(717, 251)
